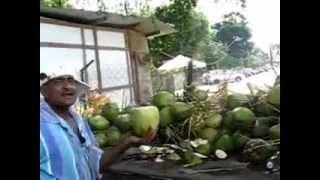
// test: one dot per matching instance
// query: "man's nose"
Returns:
(69, 85)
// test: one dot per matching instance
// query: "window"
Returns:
(88, 37)
(92, 70)
(59, 34)
(111, 39)
(122, 96)
(72, 47)
(114, 68)
(53, 59)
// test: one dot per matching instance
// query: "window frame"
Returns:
(131, 76)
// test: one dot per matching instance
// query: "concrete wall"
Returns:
(138, 45)
(163, 82)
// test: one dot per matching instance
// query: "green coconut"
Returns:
(273, 96)
(224, 143)
(113, 135)
(258, 151)
(268, 120)
(225, 131)
(181, 111)
(214, 120)
(110, 111)
(243, 118)
(265, 109)
(236, 100)
(239, 140)
(144, 118)
(209, 134)
(165, 117)
(127, 110)
(274, 132)
(123, 122)
(98, 123)
(163, 99)
(228, 121)
(101, 139)
(260, 129)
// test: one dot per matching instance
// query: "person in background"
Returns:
(68, 149)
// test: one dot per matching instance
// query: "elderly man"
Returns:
(68, 150)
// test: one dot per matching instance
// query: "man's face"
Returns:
(62, 91)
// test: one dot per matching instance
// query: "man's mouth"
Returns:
(68, 95)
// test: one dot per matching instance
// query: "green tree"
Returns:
(243, 3)
(256, 58)
(234, 33)
(55, 3)
(129, 8)
(212, 52)
(192, 29)
(230, 62)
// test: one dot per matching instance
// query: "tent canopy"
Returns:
(180, 62)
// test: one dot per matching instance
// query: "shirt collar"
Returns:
(45, 107)
(52, 117)
(55, 118)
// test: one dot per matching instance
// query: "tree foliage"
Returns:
(195, 39)
(256, 58)
(128, 8)
(55, 3)
(192, 30)
(212, 52)
(243, 3)
(234, 33)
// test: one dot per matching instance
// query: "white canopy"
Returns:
(179, 62)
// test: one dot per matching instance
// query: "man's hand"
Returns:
(147, 139)
(109, 156)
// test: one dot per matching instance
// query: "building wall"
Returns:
(138, 46)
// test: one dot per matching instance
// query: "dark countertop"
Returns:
(146, 170)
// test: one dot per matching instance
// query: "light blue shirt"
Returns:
(62, 156)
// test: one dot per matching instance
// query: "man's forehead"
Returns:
(58, 78)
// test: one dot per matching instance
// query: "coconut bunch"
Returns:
(215, 126)
(228, 123)
(111, 125)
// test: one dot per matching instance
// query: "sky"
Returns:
(263, 16)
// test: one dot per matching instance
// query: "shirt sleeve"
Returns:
(45, 169)
(95, 154)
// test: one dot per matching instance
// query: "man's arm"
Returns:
(109, 156)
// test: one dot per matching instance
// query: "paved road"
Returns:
(262, 80)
